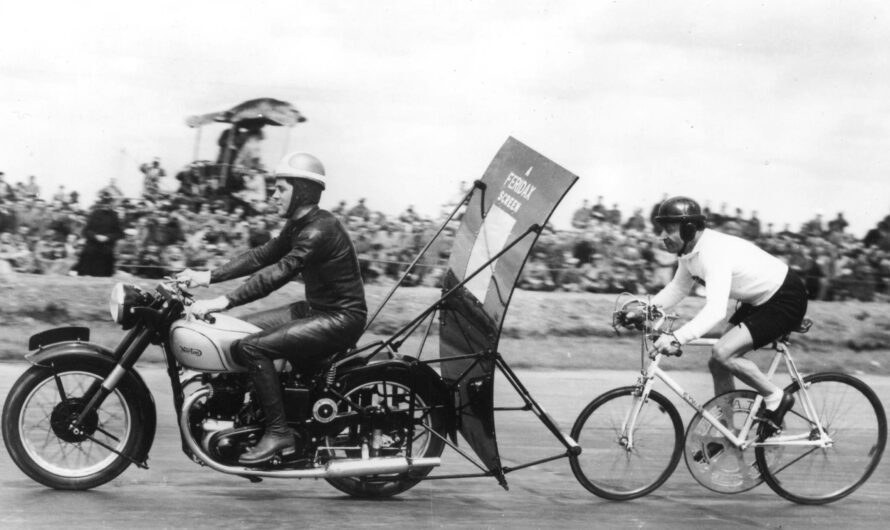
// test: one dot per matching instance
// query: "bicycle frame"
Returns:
(653, 371)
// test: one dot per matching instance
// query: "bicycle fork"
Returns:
(630, 420)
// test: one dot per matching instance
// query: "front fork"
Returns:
(643, 387)
(126, 353)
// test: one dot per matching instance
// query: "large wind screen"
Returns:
(521, 189)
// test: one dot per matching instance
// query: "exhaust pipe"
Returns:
(335, 468)
(377, 466)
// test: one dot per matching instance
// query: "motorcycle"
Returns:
(370, 421)
(82, 414)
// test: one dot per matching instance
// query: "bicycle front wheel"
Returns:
(622, 462)
(852, 416)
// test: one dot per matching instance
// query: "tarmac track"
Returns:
(176, 493)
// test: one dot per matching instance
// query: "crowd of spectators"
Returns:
(604, 252)
(211, 217)
(207, 220)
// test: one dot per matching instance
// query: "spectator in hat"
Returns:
(112, 190)
(31, 190)
(151, 182)
(813, 227)
(636, 221)
(838, 224)
(581, 217)
(102, 231)
(360, 211)
(61, 196)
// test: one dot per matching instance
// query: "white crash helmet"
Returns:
(301, 165)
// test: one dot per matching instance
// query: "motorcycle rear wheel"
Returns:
(39, 408)
(392, 393)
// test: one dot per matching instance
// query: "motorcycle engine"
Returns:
(230, 420)
(225, 423)
(227, 398)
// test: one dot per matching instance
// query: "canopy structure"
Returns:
(260, 111)
(503, 218)
(245, 119)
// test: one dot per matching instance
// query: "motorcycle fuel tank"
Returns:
(203, 346)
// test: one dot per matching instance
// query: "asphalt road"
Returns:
(176, 493)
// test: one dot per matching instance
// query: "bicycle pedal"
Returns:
(768, 429)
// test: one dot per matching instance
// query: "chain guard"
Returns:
(713, 460)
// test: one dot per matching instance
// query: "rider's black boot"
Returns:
(772, 419)
(278, 438)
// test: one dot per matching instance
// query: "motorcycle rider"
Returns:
(315, 245)
(773, 301)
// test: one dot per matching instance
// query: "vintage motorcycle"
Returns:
(370, 421)
(82, 414)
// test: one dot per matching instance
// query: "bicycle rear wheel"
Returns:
(608, 465)
(853, 417)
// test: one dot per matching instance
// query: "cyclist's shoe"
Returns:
(772, 419)
(713, 449)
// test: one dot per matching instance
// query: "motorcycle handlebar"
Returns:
(172, 289)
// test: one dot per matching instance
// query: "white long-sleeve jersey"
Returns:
(728, 267)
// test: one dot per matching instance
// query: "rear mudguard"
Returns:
(425, 376)
(75, 352)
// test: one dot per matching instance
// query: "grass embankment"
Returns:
(542, 330)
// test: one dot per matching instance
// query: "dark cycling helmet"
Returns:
(684, 211)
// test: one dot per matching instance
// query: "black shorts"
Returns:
(778, 316)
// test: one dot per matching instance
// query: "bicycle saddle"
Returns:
(805, 326)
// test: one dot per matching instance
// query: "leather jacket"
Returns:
(315, 245)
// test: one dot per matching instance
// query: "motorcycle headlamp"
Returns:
(124, 297)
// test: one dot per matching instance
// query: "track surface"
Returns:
(176, 493)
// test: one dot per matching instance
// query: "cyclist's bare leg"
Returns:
(727, 359)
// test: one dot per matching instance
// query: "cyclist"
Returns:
(315, 245)
(772, 301)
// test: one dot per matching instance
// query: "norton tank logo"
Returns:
(192, 351)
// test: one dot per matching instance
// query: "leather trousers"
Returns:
(295, 333)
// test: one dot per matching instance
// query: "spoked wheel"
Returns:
(38, 411)
(389, 401)
(618, 463)
(854, 419)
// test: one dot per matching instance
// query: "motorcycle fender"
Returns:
(423, 371)
(61, 334)
(76, 351)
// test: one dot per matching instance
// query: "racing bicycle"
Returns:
(632, 437)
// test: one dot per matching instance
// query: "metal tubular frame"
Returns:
(392, 344)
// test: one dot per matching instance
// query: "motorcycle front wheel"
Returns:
(392, 396)
(41, 405)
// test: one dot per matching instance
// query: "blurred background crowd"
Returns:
(208, 217)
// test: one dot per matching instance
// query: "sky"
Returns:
(778, 107)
